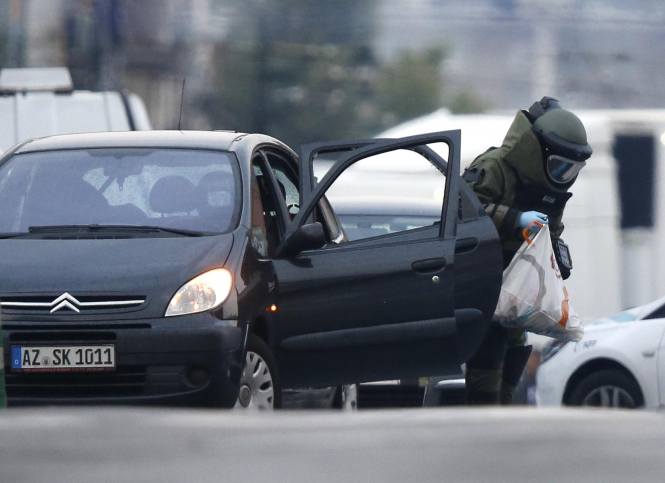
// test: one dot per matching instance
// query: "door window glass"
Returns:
(659, 313)
(266, 223)
(286, 180)
(388, 193)
(258, 232)
(287, 184)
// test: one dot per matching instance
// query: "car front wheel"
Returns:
(610, 388)
(260, 385)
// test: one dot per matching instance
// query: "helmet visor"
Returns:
(563, 170)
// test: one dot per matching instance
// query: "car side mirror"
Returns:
(306, 237)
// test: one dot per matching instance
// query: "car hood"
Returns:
(153, 268)
(627, 316)
(613, 321)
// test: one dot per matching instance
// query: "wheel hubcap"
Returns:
(609, 397)
(245, 396)
(256, 386)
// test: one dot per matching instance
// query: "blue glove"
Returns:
(529, 217)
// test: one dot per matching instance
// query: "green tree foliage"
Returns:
(296, 92)
(234, 104)
(411, 86)
(305, 71)
(329, 95)
(467, 102)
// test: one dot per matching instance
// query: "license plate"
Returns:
(64, 358)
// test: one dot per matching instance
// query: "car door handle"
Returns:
(430, 265)
(466, 245)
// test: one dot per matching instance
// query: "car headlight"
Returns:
(552, 349)
(201, 293)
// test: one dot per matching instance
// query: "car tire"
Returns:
(611, 388)
(260, 384)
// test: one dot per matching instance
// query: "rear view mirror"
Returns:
(307, 237)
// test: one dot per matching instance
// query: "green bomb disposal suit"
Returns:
(508, 181)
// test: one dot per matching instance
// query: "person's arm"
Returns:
(556, 228)
(487, 181)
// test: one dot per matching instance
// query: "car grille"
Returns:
(123, 382)
(45, 337)
(68, 304)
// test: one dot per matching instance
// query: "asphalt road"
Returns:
(452, 445)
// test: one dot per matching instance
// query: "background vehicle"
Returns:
(616, 364)
(212, 273)
(38, 102)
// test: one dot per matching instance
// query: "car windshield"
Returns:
(170, 188)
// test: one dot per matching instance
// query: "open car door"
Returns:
(382, 304)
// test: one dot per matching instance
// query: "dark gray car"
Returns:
(208, 268)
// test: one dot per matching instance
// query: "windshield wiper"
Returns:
(11, 235)
(123, 228)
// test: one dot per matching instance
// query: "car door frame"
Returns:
(370, 147)
(328, 216)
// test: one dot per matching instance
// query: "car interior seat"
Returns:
(54, 200)
(173, 195)
(216, 193)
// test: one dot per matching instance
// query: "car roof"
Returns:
(218, 140)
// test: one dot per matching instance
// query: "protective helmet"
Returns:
(563, 139)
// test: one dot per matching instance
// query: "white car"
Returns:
(618, 363)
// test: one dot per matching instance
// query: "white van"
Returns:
(38, 102)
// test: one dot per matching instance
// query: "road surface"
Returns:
(452, 445)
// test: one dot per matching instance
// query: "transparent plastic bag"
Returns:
(533, 296)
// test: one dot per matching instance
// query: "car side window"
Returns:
(266, 223)
(288, 186)
(659, 313)
(287, 182)
(258, 232)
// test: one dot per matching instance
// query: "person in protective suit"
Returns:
(525, 180)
